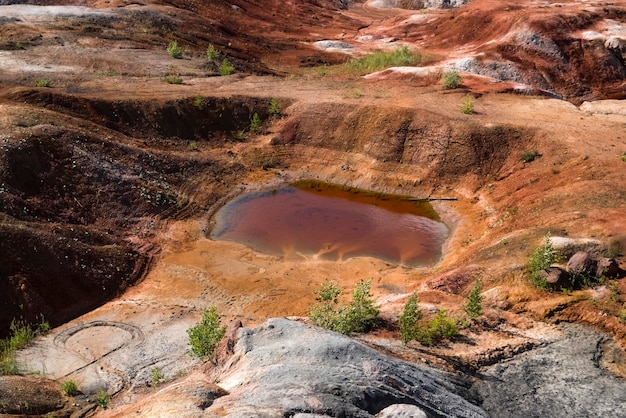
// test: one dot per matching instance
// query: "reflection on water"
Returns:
(331, 223)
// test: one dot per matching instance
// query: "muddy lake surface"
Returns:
(333, 222)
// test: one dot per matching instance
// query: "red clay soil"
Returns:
(110, 176)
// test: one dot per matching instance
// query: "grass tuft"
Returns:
(380, 60)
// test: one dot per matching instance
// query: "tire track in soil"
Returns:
(137, 339)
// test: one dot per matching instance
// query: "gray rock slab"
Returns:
(562, 379)
(284, 368)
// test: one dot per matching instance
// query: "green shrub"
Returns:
(409, 320)
(211, 53)
(200, 101)
(324, 314)
(255, 123)
(467, 105)
(102, 399)
(174, 50)
(381, 60)
(358, 316)
(226, 68)
(241, 135)
(204, 337)
(451, 79)
(43, 82)
(157, 376)
(69, 388)
(274, 109)
(530, 155)
(173, 79)
(440, 328)
(22, 333)
(472, 308)
(542, 258)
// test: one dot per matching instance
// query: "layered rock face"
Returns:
(286, 368)
(561, 379)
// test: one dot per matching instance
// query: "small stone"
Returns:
(608, 268)
(582, 264)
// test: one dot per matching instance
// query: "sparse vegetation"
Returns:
(22, 334)
(358, 316)
(451, 79)
(409, 320)
(174, 50)
(624, 157)
(173, 79)
(69, 388)
(226, 68)
(381, 60)
(530, 155)
(211, 53)
(204, 337)
(193, 146)
(102, 399)
(621, 316)
(241, 135)
(255, 123)
(440, 328)
(542, 258)
(156, 375)
(274, 109)
(473, 307)
(467, 105)
(200, 101)
(43, 82)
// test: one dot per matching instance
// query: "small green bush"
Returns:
(440, 328)
(173, 79)
(467, 105)
(69, 388)
(43, 82)
(255, 123)
(204, 337)
(473, 307)
(174, 50)
(409, 320)
(157, 376)
(274, 109)
(541, 259)
(102, 399)
(200, 101)
(358, 316)
(624, 157)
(451, 79)
(530, 155)
(226, 68)
(211, 53)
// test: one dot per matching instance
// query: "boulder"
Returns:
(556, 278)
(608, 268)
(582, 264)
(284, 368)
(402, 411)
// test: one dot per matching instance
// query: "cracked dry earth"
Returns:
(107, 206)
